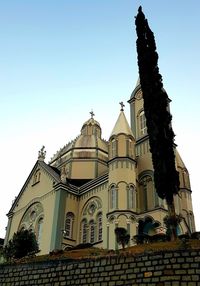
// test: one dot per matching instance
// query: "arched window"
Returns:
(84, 231)
(142, 124)
(99, 226)
(39, 229)
(69, 225)
(36, 177)
(114, 148)
(143, 195)
(91, 225)
(191, 221)
(32, 216)
(113, 197)
(132, 198)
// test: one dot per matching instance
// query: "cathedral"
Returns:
(91, 186)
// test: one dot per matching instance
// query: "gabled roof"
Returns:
(122, 126)
(52, 172)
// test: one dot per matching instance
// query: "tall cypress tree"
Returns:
(158, 118)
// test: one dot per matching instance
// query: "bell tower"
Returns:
(122, 178)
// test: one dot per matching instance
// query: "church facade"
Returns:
(91, 186)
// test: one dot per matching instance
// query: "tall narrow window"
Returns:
(84, 231)
(113, 146)
(39, 230)
(91, 231)
(113, 197)
(132, 198)
(69, 225)
(99, 226)
(36, 177)
(144, 198)
(142, 123)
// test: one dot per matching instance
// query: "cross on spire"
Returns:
(122, 106)
(92, 114)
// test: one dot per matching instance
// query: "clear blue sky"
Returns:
(60, 59)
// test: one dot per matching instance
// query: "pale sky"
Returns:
(60, 59)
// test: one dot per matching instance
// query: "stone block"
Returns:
(148, 263)
(115, 278)
(186, 278)
(124, 266)
(148, 274)
(195, 277)
(192, 284)
(168, 272)
(181, 271)
(197, 259)
(189, 259)
(176, 266)
(103, 262)
(117, 267)
(111, 283)
(119, 283)
(109, 267)
(95, 269)
(157, 273)
(104, 274)
(104, 284)
(131, 276)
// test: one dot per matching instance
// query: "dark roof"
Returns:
(78, 182)
(55, 169)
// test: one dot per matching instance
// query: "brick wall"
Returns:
(159, 269)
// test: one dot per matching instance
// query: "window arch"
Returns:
(31, 217)
(69, 224)
(91, 222)
(99, 226)
(148, 198)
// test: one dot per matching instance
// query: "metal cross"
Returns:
(122, 106)
(92, 114)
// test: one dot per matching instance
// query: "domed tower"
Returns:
(84, 158)
(122, 203)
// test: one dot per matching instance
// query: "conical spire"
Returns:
(121, 125)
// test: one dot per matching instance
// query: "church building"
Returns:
(91, 186)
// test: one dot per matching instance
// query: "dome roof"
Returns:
(91, 121)
(88, 145)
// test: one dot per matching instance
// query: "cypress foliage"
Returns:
(158, 118)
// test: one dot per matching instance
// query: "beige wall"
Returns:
(41, 192)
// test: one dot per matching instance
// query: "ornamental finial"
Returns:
(122, 106)
(92, 114)
(42, 154)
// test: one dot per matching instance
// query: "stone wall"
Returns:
(159, 269)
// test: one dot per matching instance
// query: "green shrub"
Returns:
(122, 236)
(23, 243)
